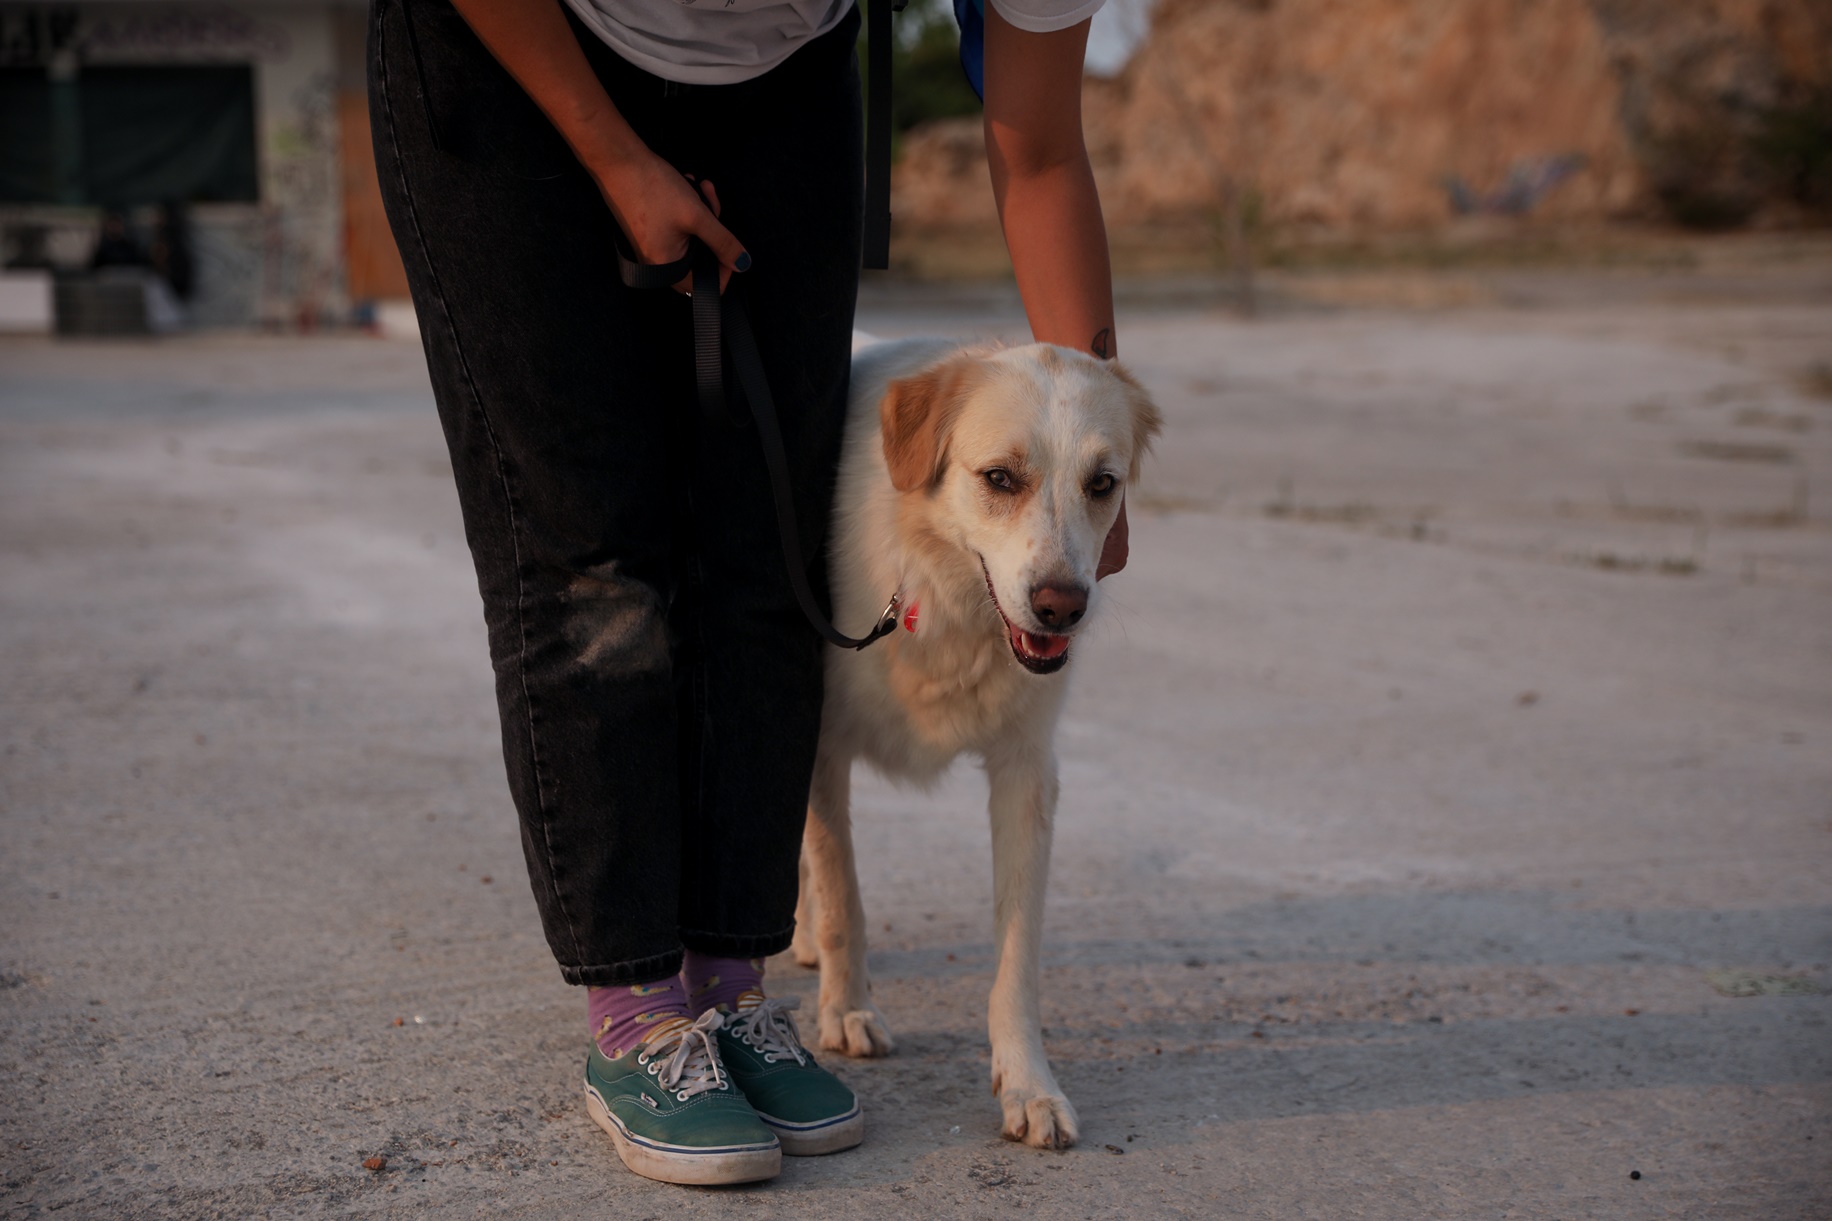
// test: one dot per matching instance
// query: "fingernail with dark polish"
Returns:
(744, 262)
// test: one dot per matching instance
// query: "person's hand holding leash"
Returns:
(658, 208)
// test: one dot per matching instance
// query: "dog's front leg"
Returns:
(805, 950)
(849, 1022)
(1023, 810)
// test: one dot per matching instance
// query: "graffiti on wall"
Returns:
(303, 259)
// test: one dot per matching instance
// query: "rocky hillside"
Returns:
(1389, 114)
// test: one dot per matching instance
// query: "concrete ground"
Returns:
(1446, 825)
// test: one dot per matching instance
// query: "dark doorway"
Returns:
(124, 135)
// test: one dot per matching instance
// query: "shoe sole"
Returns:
(810, 1140)
(743, 1164)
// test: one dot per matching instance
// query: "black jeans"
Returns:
(660, 693)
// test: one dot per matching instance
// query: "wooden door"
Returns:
(373, 264)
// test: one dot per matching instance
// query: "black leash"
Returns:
(719, 324)
(878, 133)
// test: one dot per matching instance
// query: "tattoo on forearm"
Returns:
(1103, 343)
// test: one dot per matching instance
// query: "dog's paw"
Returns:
(856, 1032)
(1043, 1121)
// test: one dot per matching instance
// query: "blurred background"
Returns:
(1234, 133)
(225, 147)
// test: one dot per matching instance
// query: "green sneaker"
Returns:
(673, 1111)
(809, 1109)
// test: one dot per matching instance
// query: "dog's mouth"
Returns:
(1038, 652)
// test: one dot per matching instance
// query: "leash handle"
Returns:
(719, 322)
(635, 274)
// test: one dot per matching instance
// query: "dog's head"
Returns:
(1017, 458)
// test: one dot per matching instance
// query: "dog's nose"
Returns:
(1059, 606)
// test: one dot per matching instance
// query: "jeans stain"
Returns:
(615, 621)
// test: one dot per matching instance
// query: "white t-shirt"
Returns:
(721, 42)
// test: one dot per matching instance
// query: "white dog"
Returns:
(978, 485)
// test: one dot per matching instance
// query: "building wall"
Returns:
(279, 262)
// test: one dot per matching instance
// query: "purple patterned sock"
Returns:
(721, 981)
(626, 1014)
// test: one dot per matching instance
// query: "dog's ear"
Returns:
(915, 417)
(1147, 422)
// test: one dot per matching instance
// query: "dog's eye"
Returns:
(1001, 479)
(1102, 485)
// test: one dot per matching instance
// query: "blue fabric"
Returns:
(972, 16)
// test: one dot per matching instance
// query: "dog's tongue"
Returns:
(1043, 647)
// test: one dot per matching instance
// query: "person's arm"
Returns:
(1048, 206)
(657, 208)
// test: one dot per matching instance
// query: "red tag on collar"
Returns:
(910, 614)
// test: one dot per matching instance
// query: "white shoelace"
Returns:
(686, 1059)
(770, 1030)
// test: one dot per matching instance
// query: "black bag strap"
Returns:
(720, 324)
